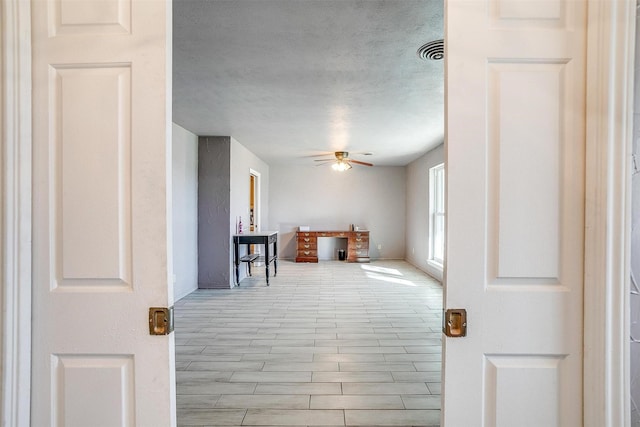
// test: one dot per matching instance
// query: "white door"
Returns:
(515, 123)
(101, 138)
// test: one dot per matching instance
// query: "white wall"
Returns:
(417, 248)
(242, 162)
(370, 197)
(185, 211)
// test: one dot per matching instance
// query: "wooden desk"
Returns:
(265, 238)
(357, 245)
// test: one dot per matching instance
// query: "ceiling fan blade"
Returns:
(360, 163)
(320, 155)
(325, 160)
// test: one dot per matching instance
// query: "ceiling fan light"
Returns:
(341, 166)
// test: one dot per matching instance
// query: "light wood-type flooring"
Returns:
(327, 344)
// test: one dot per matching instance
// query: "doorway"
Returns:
(25, 353)
(254, 200)
(254, 209)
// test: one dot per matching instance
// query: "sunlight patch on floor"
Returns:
(378, 269)
(390, 279)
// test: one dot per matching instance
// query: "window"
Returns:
(436, 215)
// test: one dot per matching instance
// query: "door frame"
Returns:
(610, 46)
(257, 211)
(610, 75)
(15, 212)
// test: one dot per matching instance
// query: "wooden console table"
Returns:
(265, 238)
(357, 245)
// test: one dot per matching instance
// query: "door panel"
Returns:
(101, 116)
(515, 205)
(78, 379)
(93, 171)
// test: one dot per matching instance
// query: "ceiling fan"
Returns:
(342, 161)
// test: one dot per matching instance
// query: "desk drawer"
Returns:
(307, 253)
(358, 252)
(307, 239)
(307, 246)
(359, 242)
(363, 241)
(301, 234)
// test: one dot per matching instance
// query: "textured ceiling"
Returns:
(289, 79)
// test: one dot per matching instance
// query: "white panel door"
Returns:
(101, 100)
(515, 124)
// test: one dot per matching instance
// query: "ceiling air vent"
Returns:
(432, 51)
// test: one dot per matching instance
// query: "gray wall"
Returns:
(185, 211)
(635, 246)
(214, 195)
(370, 197)
(417, 249)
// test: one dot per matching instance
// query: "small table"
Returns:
(266, 238)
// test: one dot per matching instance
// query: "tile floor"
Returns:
(327, 344)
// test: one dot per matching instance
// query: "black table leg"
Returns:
(236, 259)
(249, 263)
(275, 257)
(266, 258)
